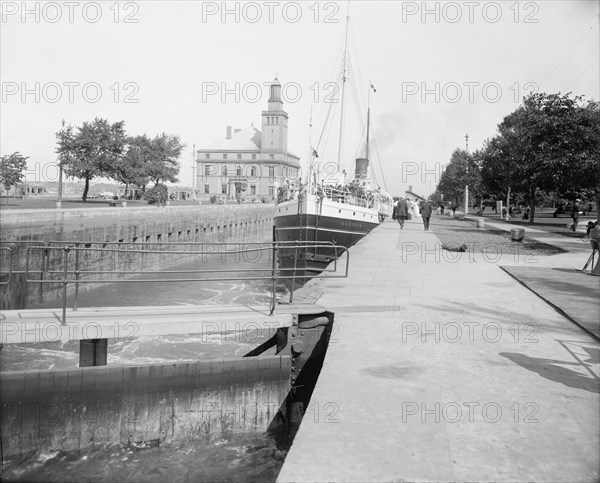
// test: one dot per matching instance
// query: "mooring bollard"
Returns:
(517, 234)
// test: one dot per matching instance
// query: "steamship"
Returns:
(319, 215)
(322, 215)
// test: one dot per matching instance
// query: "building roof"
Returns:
(414, 194)
(248, 139)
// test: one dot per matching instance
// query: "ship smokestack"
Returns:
(362, 164)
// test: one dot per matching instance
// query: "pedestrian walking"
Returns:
(401, 212)
(575, 215)
(426, 211)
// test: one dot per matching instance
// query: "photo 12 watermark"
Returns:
(469, 412)
(473, 252)
(471, 92)
(470, 12)
(69, 92)
(204, 414)
(469, 332)
(70, 12)
(413, 171)
(253, 92)
(270, 12)
(21, 332)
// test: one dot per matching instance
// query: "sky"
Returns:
(441, 70)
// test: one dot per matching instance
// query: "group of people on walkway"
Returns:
(406, 209)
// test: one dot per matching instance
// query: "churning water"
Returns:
(233, 457)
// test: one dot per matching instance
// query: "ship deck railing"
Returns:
(71, 264)
(346, 196)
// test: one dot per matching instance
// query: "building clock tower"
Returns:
(274, 122)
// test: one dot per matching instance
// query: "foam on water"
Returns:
(236, 457)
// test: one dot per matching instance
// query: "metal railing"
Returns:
(68, 263)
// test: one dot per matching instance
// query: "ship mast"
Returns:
(339, 161)
(311, 165)
(368, 120)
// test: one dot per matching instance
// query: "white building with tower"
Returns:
(249, 163)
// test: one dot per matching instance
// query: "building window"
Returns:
(207, 170)
(276, 120)
(239, 171)
(271, 191)
(254, 156)
(224, 189)
(239, 156)
(271, 156)
(224, 171)
(252, 189)
(206, 188)
(253, 171)
(271, 172)
(207, 156)
(224, 156)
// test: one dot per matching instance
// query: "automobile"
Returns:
(107, 195)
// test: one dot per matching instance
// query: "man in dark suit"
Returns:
(401, 212)
(426, 214)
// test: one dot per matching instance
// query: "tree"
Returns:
(462, 170)
(499, 171)
(161, 163)
(92, 150)
(11, 169)
(551, 142)
(132, 166)
(157, 195)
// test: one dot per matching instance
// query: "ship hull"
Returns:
(319, 221)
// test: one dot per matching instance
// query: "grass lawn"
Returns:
(546, 222)
(455, 233)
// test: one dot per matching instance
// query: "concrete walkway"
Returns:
(442, 367)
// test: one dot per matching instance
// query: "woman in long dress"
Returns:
(414, 209)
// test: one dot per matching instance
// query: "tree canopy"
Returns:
(11, 169)
(90, 151)
(549, 144)
(102, 149)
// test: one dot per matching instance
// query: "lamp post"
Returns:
(467, 185)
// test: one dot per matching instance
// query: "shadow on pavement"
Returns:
(553, 370)
(572, 292)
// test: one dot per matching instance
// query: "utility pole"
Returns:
(193, 172)
(467, 185)
(60, 177)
